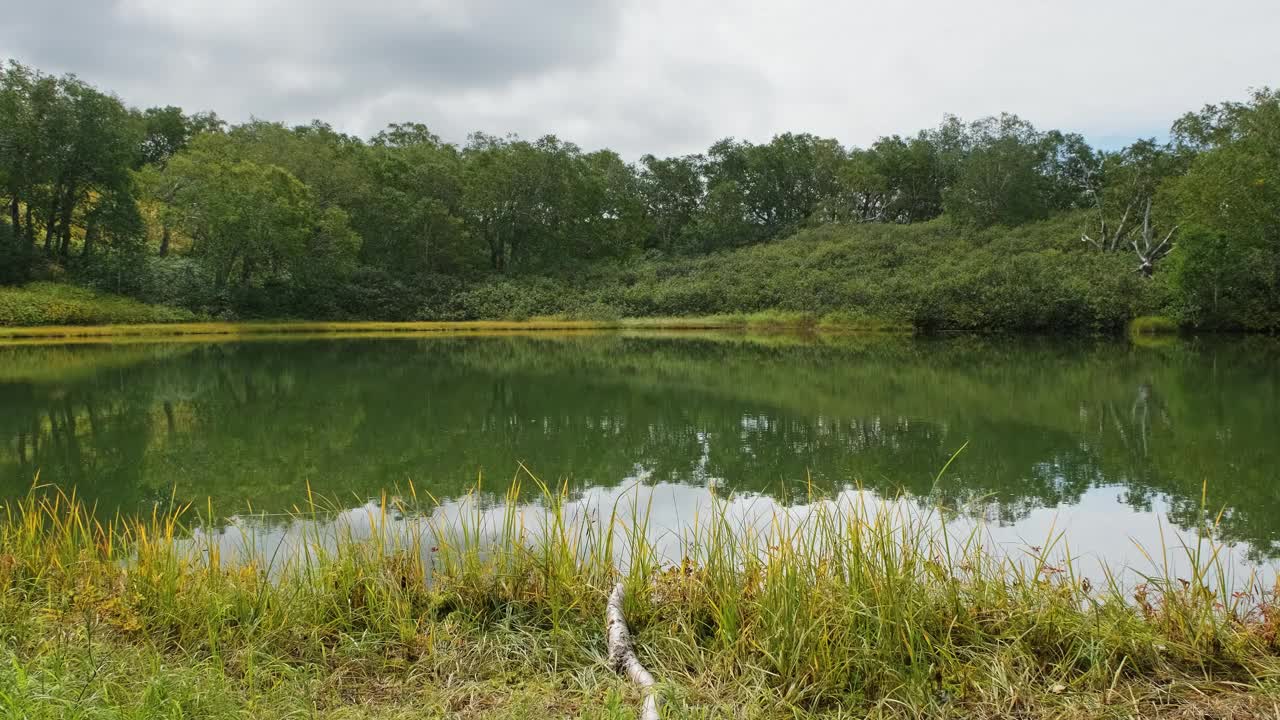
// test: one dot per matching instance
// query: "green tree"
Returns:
(610, 218)
(251, 221)
(413, 223)
(999, 179)
(14, 108)
(758, 192)
(544, 204)
(1230, 268)
(673, 193)
(329, 162)
(895, 180)
(34, 125)
(67, 150)
(166, 132)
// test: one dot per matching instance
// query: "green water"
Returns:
(1101, 438)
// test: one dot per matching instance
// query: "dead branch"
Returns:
(1149, 251)
(622, 654)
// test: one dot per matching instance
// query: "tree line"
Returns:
(253, 218)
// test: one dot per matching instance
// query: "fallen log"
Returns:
(622, 654)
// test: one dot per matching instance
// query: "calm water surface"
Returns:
(1100, 439)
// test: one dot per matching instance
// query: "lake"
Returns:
(1103, 440)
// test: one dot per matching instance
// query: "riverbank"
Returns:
(496, 611)
(52, 312)
(764, 321)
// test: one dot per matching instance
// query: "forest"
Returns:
(989, 225)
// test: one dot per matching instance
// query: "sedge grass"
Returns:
(843, 608)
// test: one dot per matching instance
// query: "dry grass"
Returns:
(760, 323)
(278, 329)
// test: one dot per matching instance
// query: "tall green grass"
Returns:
(845, 607)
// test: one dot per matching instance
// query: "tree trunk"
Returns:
(164, 239)
(492, 236)
(426, 248)
(51, 225)
(15, 217)
(64, 239)
(30, 231)
(90, 235)
(497, 255)
(68, 206)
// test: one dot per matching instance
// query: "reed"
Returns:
(492, 606)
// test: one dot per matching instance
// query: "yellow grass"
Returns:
(288, 328)
(72, 333)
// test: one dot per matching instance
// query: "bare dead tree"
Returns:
(1147, 249)
(1109, 239)
(1141, 240)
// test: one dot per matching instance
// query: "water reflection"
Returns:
(1096, 536)
(1113, 435)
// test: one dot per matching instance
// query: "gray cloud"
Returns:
(663, 76)
(295, 59)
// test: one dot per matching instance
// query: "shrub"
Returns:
(44, 303)
(1226, 285)
(933, 276)
(1153, 325)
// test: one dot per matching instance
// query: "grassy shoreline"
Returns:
(757, 322)
(848, 610)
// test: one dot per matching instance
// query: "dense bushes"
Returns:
(1225, 285)
(365, 293)
(934, 276)
(373, 294)
(45, 303)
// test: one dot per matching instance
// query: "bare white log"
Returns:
(622, 654)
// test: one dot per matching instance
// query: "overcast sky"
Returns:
(662, 76)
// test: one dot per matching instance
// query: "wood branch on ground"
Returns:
(622, 654)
